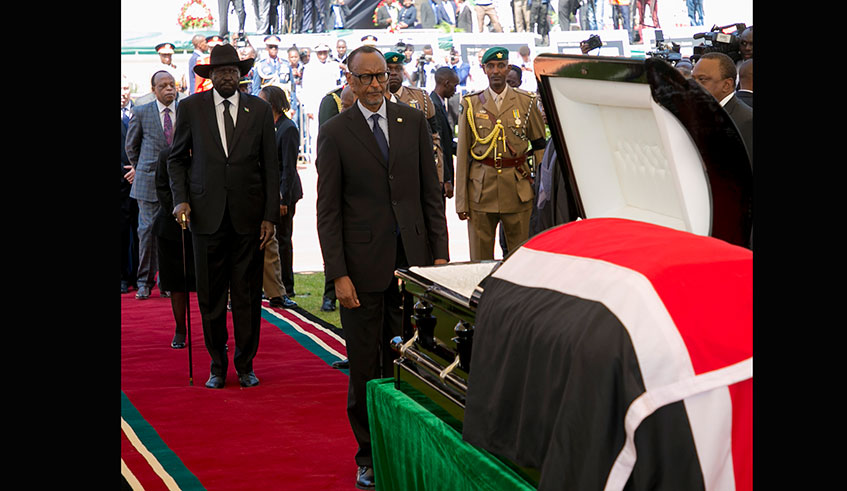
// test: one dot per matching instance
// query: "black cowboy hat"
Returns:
(223, 55)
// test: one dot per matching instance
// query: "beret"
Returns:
(495, 53)
(394, 57)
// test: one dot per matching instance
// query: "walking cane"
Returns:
(182, 223)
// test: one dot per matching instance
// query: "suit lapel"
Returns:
(363, 132)
(243, 122)
(490, 106)
(208, 108)
(395, 128)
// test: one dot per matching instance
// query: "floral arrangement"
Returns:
(194, 14)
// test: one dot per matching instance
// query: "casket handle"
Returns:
(448, 369)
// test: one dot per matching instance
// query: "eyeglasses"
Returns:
(367, 78)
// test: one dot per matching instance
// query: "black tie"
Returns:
(229, 126)
(380, 137)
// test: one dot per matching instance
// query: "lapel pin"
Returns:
(247, 110)
(399, 120)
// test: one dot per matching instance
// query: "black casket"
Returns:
(636, 143)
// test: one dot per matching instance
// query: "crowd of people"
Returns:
(209, 180)
(539, 16)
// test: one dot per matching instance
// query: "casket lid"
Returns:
(636, 140)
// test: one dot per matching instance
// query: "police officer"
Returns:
(166, 53)
(497, 128)
(272, 70)
(416, 98)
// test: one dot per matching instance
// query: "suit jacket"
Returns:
(144, 139)
(746, 96)
(246, 182)
(383, 16)
(361, 197)
(448, 147)
(441, 12)
(464, 19)
(428, 18)
(742, 116)
(125, 185)
(288, 146)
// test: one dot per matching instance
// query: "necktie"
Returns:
(229, 126)
(169, 128)
(380, 137)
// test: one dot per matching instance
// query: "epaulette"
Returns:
(336, 91)
(524, 92)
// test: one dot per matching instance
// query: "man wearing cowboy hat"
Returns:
(203, 84)
(225, 182)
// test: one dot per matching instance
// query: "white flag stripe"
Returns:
(661, 352)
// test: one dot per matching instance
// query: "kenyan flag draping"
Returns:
(611, 352)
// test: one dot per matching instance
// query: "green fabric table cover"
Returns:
(413, 449)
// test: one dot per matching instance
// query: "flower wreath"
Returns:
(194, 14)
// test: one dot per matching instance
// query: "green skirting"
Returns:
(415, 450)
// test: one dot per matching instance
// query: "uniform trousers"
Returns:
(223, 15)
(148, 264)
(368, 329)
(226, 261)
(271, 277)
(483, 225)
(522, 23)
(491, 12)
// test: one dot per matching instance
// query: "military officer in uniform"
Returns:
(416, 98)
(498, 128)
(203, 84)
(272, 70)
(166, 53)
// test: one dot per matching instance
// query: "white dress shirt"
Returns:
(219, 114)
(383, 120)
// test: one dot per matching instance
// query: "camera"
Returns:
(593, 41)
(666, 51)
(716, 41)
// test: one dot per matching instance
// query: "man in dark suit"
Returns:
(464, 17)
(446, 81)
(225, 180)
(745, 82)
(129, 207)
(716, 73)
(379, 207)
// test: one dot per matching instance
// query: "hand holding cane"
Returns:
(183, 223)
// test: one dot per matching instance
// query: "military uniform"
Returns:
(419, 99)
(272, 71)
(493, 182)
(330, 105)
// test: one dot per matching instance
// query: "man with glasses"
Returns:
(379, 207)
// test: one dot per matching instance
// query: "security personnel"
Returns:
(203, 84)
(272, 70)
(166, 53)
(416, 98)
(493, 182)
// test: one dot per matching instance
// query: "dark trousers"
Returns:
(129, 240)
(368, 329)
(538, 19)
(223, 13)
(228, 262)
(284, 230)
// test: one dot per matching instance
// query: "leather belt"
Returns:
(503, 163)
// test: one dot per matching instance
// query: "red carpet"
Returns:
(289, 433)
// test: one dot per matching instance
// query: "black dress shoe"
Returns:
(124, 287)
(165, 294)
(143, 293)
(365, 477)
(178, 341)
(341, 364)
(328, 305)
(215, 382)
(248, 379)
